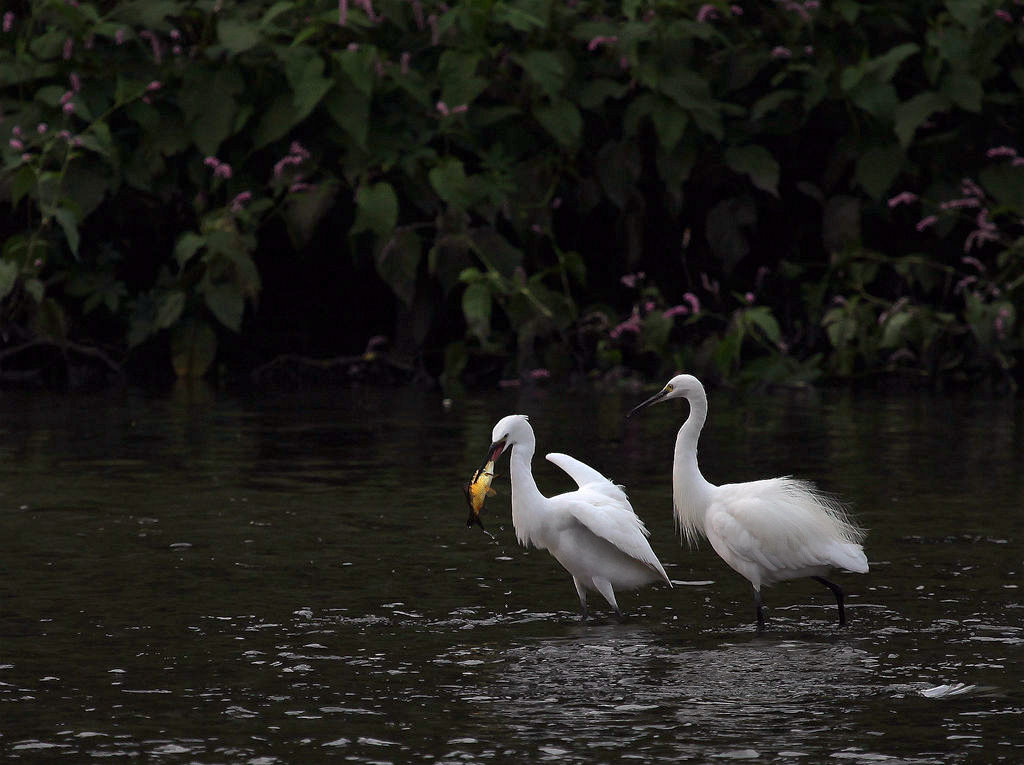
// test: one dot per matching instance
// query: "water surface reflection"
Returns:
(206, 578)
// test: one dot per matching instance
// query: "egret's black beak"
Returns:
(652, 400)
(495, 451)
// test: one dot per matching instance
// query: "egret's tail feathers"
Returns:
(852, 558)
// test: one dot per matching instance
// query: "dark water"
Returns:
(204, 579)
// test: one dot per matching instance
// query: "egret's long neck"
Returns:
(690, 491)
(526, 497)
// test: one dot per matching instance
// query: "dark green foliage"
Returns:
(509, 161)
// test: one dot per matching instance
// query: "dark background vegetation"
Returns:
(467, 192)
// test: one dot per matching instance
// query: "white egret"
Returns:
(593, 531)
(768, 531)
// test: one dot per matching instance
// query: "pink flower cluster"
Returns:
(297, 154)
(220, 169)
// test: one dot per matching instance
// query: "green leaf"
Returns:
(596, 92)
(456, 70)
(69, 223)
(771, 103)
(304, 69)
(757, 163)
(892, 332)
(449, 180)
(496, 251)
(305, 209)
(398, 261)
(188, 245)
(169, 310)
(277, 120)
(207, 99)
(227, 303)
(515, 17)
(377, 209)
(193, 348)
(237, 36)
(476, 307)
(963, 90)
(546, 69)
(911, 114)
(761, 317)
(1005, 182)
(349, 107)
(358, 64)
(23, 182)
(877, 168)
(669, 122)
(562, 120)
(8, 277)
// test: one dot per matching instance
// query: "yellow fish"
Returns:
(477, 491)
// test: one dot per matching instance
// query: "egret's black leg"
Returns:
(582, 592)
(838, 592)
(760, 610)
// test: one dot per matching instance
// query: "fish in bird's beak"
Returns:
(652, 400)
(478, 490)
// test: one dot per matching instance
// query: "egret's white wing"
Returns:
(613, 520)
(781, 525)
(581, 473)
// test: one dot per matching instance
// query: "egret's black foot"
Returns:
(759, 608)
(840, 597)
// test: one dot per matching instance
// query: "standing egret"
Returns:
(593, 531)
(768, 531)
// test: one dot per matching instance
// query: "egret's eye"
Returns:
(668, 388)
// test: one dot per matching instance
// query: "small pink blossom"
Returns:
(460, 109)
(970, 260)
(649, 306)
(65, 135)
(1001, 151)
(956, 204)
(903, 198)
(16, 130)
(970, 189)
(119, 37)
(68, 108)
(707, 12)
(435, 34)
(1017, 161)
(240, 200)
(68, 95)
(223, 170)
(749, 297)
(26, 157)
(690, 298)
(16, 144)
(76, 82)
(781, 51)
(632, 324)
(926, 222)
(417, 14)
(154, 85)
(539, 374)
(963, 284)
(41, 128)
(1004, 15)
(600, 40)
(442, 107)
(8, 21)
(405, 62)
(298, 150)
(631, 280)
(711, 285)
(809, 50)
(175, 34)
(342, 12)
(212, 162)
(736, 10)
(676, 310)
(69, 48)
(556, 203)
